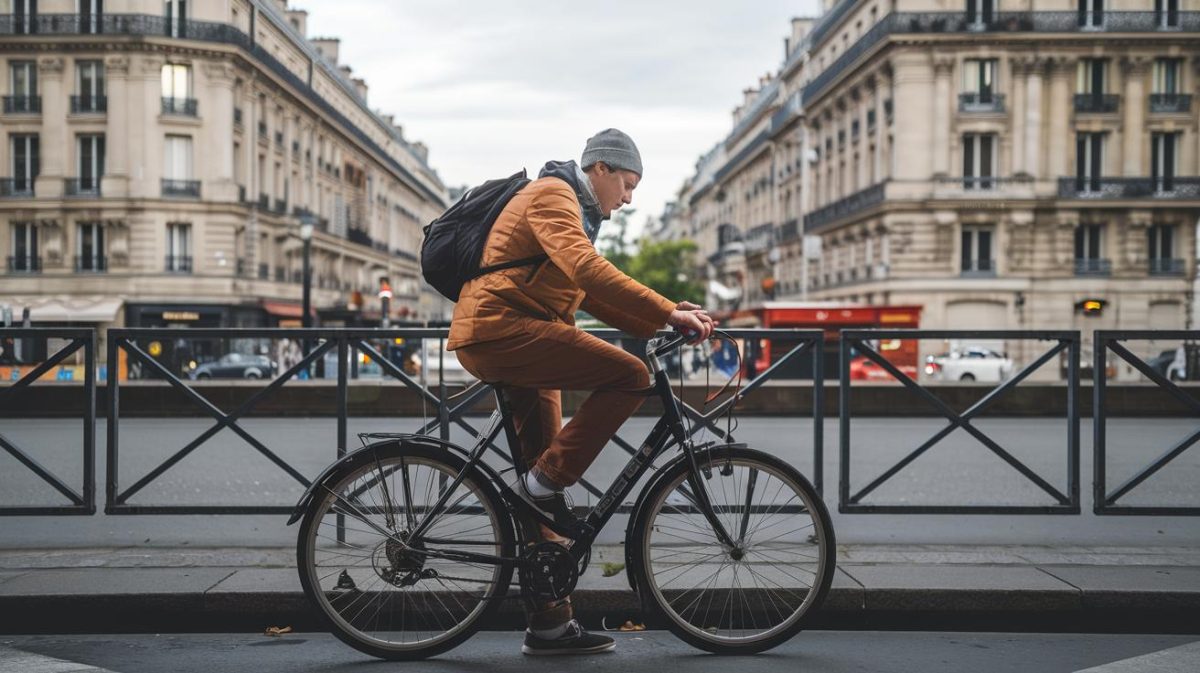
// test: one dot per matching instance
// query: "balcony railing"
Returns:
(984, 183)
(179, 264)
(1166, 267)
(81, 186)
(89, 104)
(22, 105)
(95, 263)
(1186, 188)
(908, 23)
(1097, 103)
(978, 268)
(181, 188)
(1176, 103)
(1093, 267)
(981, 101)
(358, 236)
(851, 205)
(185, 107)
(25, 264)
(16, 187)
(280, 207)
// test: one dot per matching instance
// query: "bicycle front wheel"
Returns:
(744, 597)
(384, 593)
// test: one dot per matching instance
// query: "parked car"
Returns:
(969, 364)
(1172, 364)
(864, 369)
(235, 366)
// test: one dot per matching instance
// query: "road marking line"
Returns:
(1182, 659)
(17, 661)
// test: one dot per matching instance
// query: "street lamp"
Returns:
(306, 232)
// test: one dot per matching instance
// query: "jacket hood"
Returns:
(568, 172)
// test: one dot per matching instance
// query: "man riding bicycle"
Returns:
(515, 327)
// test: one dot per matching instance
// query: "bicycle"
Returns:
(409, 544)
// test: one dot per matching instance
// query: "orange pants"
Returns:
(533, 369)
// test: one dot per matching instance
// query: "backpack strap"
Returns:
(526, 261)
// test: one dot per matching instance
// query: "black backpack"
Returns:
(454, 242)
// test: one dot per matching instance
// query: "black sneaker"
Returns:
(553, 506)
(575, 641)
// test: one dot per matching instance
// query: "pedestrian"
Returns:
(515, 327)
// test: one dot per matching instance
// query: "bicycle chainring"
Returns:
(548, 572)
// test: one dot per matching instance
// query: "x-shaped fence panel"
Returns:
(82, 501)
(1104, 501)
(1067, 503)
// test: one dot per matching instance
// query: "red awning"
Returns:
(285, 310)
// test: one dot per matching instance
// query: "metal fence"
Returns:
(348, 343)
(860, 340)
(82, 501)
(1104, 501)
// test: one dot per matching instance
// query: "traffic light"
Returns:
(1091, 307)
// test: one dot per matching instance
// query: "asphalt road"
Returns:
(825, 651)
(959, 470)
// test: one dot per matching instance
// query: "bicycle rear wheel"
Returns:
(383, 593)
(741, 598)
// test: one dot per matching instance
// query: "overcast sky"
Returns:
(492, 87)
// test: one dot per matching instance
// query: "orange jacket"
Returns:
(545, 216)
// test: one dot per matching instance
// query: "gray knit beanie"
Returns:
(613, 148)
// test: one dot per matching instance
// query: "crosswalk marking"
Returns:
(17, 661)
(1182, 659)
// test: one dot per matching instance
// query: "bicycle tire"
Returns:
(386, 456)
(656, 571)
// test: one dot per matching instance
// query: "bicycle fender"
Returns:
(630, 545)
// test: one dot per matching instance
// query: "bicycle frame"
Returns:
(669, 427)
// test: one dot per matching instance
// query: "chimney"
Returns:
(800, 28)
(299, 20)
(360, 85)
(327, 47)
(346, 71)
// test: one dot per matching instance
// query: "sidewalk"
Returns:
(1049, 589)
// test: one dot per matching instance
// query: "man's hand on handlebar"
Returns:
(693, 321)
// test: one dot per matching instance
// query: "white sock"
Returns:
(551, 634)
(537, 490)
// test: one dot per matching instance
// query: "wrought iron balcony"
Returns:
(185, 107)
(82, 186)
(981, 101)
(25, 264)
(89, 104)
(1186, 188)
(851, 205)
(1166, 267)
(179, 264)
(16, 187)
(181, 188)
(1093, 267)
(983, 183)
(359, 236)
(280, 207)
(94, 263)
(978, 268)
(1097, 103)
(1177, 103)
(23, 105)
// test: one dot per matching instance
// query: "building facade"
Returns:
(999, 163)
(160, 156)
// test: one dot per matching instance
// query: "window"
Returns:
(176, 81)
(1089, 157)
(90, 153)
(1166, 13)
(90, 15)
(1163, 156)
(979, 77)
(1089, 247)
(977, 250)
(24, 249)
(980, 12)
(979, 160)
(1091, 76)
(89, 87)
(176, 13)
(23, 88)
(89, 247)
(1091, 13)
(177, 159)
(179, 249)
(1161, 242)
(24, 13)
(1166, 75)
(25, 164)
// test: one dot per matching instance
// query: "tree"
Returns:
(612, 243)
(667, 267)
